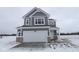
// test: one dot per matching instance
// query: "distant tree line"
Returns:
(74, 33)
(7, 34)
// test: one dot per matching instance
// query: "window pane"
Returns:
(39, 21)
(27, 21)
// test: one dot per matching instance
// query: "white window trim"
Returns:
(39, 18)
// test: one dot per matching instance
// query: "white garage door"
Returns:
(35, 36)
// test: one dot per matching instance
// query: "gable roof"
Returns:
(38, 14)
(34, 10)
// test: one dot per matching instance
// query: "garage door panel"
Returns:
(35, 36)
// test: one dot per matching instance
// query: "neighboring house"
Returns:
(37, 27)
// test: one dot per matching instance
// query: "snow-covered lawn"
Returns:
(73, 38)
(6, 44)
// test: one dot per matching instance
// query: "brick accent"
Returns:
(54, 39)
(19, 39)
(49, 39)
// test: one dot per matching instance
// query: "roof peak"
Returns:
(34, 10)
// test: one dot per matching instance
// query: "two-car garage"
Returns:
(35, 36)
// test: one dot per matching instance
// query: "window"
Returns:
(39, 21)
(19, 33)
(27, 21)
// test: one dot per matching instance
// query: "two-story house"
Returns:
(37, 27)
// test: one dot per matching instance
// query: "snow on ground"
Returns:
(73, 38)
(58, 49)
(9, 41)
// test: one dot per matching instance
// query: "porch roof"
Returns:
(41, 26)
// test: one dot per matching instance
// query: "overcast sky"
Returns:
(67, 18)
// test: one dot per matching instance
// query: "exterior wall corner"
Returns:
(19, 39)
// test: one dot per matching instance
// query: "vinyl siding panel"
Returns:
(39, 14)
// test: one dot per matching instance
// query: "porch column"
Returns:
(59, 34)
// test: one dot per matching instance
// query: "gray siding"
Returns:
(46, 21)
(25, 21)
(32, 18)
(39, 14)
(31, 13)
(32, 21)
